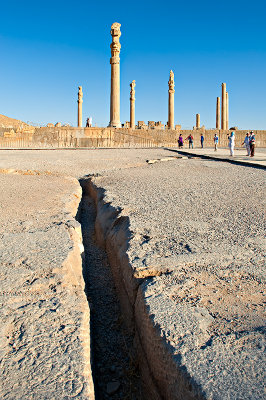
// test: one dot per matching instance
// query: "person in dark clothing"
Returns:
(252, 144)
(202, 140)
(180, 140)
(190, 141)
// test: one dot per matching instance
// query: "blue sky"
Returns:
(49, 48)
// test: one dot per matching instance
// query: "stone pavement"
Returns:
(240, 157)
(44, 314)
(186, 237)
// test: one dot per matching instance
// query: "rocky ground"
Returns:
(43, 306)
(197, 231)
(196, 248)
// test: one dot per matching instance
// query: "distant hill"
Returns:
(6, 122)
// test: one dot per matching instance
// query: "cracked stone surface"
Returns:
(197, 236)
(197, 247)
(41, 350)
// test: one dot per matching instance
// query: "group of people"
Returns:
(181, 141)
(190, 141)
(249, 142)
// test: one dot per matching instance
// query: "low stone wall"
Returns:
(70, 137)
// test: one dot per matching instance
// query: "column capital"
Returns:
(115, 29)
(132, 91)
(80, 95)
(115, 45)
(171, 82)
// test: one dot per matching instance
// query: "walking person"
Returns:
(252, 144)
(232, 143)
(216, 141)
(190, 141)
(87, 123)
(180, 140)
(201, 140)
(247, 143)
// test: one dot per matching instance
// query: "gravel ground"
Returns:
(197, 242)
(200, 225)
(78, 162)
(41, 349)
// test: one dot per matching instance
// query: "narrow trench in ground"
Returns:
(114, 363)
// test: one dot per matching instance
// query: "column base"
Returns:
(114, 124)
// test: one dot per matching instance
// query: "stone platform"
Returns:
(222, 154)
(185, 238)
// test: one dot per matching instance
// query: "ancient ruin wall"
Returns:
(72, 137)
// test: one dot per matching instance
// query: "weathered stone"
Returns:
(159, 125)
(80, 101)
(227, 112)
(171, 108)
(142, 125)
(218, 113)
(132, 104)
(223, 121)
(151, 124)
(115, 77)
(197, 121)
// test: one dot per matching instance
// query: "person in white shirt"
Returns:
(232, 143)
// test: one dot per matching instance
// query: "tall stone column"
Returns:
(227, 112)
(115, 77)
(223, 120)
(197, 121)
(80, 101)
(171, 99)
(218, 113)
(132, 104)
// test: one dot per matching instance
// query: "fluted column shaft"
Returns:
(115, 77)
(171, 102)
(218, 113)
(223, 119)
(132, 104)
(80, 101)
(197, 121)
(227, 111)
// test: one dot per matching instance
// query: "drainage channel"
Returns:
(114, 365)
